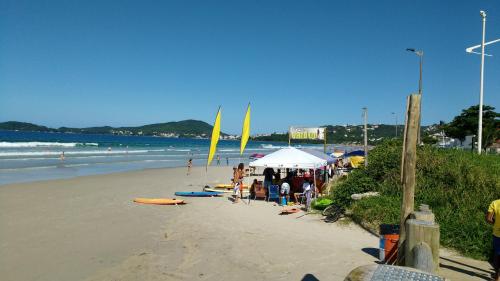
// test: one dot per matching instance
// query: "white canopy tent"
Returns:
(289, 157)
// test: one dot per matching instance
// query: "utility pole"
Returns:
(396, 119)
(365, 116)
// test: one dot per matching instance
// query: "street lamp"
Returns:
(471, 50)
(419, 53)
(396, 118)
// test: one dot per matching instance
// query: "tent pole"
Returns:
(314, 179)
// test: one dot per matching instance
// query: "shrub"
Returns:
(457, 185)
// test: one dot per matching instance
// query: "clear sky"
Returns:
(120, 63)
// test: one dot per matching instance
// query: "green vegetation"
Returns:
(457, 185)
(351, 134)
(186, 128)
(466, 124)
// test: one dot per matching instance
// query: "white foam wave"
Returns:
(270, 146)
(5, 144)
(179, 150)
(88, 152)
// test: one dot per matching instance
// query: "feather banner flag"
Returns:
(245, 132)
(215, 138)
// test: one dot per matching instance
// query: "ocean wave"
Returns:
(179, 150)
(5, 144)
(270, 146)
(66, 153)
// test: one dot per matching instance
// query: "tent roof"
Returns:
(319, 154)
(289, 157)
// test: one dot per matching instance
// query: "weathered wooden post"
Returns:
(422, 241)
(408, 165)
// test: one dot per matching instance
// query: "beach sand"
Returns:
(88, 228)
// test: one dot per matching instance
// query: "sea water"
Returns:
(31, 156)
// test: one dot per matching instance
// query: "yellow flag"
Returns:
(215, 138)
(245, 132)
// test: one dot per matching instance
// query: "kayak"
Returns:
(198, 194)
(159, 201)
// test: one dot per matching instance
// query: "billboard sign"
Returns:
(301, 133)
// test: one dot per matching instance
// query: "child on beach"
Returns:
(189, 165)
(238, 176)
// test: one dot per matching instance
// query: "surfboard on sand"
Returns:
(159, 201)
(198, 194)
(211, 189)
(289, 211)
(227, 186)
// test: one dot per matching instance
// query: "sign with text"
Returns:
(307, 133)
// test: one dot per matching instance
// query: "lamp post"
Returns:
(420, 54)
(480, 125)
(471, 50)
(396, 121)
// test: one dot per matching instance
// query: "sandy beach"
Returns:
(88, 228)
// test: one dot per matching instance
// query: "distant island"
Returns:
(340, 134)
(180, 129)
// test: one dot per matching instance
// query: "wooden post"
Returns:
(408, 169)
(422, 245)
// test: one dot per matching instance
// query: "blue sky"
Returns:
(120, 63)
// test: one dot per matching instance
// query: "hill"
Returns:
(23, 126)
(185, 128)
(352, 133)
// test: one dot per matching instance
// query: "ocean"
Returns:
(33, 156)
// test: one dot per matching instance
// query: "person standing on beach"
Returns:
(227, 161)
(62, 156)
(218, 160)
(268, 177)
(491, 217)
(189, 165)
(238, 182)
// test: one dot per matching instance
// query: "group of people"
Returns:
(286, 188)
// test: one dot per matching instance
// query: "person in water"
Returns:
(189, 165)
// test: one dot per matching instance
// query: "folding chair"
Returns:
(274, 193)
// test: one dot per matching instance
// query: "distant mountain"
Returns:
(22, 126)
(186, 128)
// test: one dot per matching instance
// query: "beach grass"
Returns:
(457, 185)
